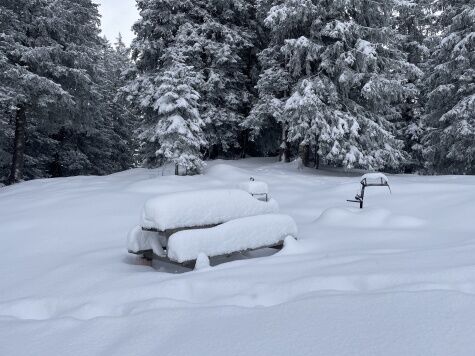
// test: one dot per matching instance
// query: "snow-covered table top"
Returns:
(375, 178)
(254, 187)
(202, 208)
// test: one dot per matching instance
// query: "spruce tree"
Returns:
(220, 48)
(112, 148)
(334, 76)
(29, 56)
(212, 39)
(179, 126)
(53, 88)
(449, 143)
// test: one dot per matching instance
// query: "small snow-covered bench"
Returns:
(179, 227)
(370, 180)
(375, 179)
(258, 190)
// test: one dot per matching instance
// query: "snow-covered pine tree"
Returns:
(75, 28)
(6, 132)
(266, 123)
(413, 21)
(214, 38)
(28, 54)
(6, 101)
(178, 126)
(51, 76)
(449, 143)
(219, 45)
(112, 147)
(155, 34)
(344, 62)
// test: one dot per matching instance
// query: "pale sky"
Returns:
(118, 16)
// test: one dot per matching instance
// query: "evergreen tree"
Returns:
(212, 39)
(155, 34)
(179, 126)
(414, 21)
(79, 37)
(449, 144)
(54, 90)
(334, 77)
(112, 148)
(219, 46)
(29, 56)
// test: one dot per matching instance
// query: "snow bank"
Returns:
(201, 208)
(367, 218)
(375, 177)
(226, 172)
(237, 235)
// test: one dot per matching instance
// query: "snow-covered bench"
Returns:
(179, 227)
(258, 190)
(370, 180)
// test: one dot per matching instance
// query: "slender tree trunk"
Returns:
(317, 148)
(177, 170)
(244, 142)
(284, 155)
(304, 153)
(213, 152)
(18, 160)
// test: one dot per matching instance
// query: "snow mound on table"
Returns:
(202, 262)
(237, 235)
(139, 241)
(254, 187)
(375, 177)
(367, 218)
(291, 246)
(201, 208)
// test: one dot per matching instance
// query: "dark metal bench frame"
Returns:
(359, 198)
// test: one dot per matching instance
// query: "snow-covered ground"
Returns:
(397, 278)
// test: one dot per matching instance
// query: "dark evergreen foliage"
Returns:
(383, 84)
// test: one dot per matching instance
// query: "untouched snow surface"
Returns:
(236, 235)
(397, 278)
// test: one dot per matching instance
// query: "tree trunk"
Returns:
(244, 143)
(284, 155)
(317, 155)
(177, 170)
(18, 160)
(304, 153)
(213, 152)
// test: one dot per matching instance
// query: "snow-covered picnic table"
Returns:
(179, 227)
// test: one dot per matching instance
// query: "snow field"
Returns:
(397, 278)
